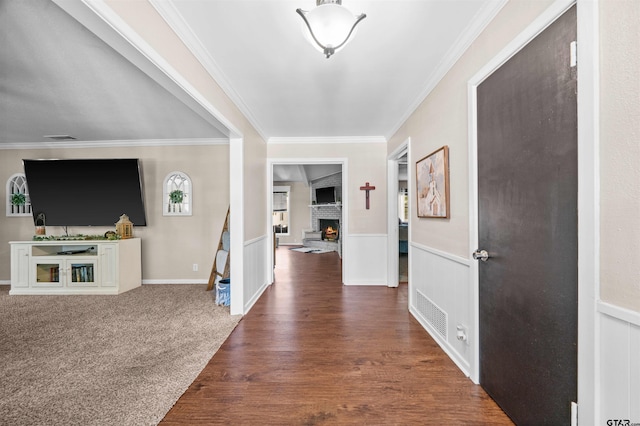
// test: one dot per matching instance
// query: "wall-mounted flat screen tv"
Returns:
(86, 192)
(326, 195)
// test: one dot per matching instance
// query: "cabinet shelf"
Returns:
(75, 267)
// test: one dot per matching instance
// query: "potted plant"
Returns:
(176, 196)
(18, 199)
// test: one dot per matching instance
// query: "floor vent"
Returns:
(435, 316)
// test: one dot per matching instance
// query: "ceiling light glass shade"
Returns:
(329, 26)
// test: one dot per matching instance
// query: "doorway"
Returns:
(305, 180)
(527, 228)
(398, 214)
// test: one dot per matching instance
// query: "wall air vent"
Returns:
(60, 137)
(435, 316)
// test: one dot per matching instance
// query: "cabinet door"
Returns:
(81, 272)
(47, 272)
(109, 265)
(19, 266)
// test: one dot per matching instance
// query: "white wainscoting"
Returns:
(256, 274)
(365, 258)
(439, 282)
(619, 364)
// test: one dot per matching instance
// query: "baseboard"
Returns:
(255, 297)
(184, 281)
(444, 345)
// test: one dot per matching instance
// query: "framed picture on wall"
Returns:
(432, 184)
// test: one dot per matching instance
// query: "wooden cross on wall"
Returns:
(367, 188)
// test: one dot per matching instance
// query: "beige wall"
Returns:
(170, 244)
(145, 20)
(620, 152)
(442, 120)
(367, 162)
(256, 188)
(299, 214)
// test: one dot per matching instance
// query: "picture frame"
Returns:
(432, 185)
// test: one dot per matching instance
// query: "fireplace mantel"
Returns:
(318, 206)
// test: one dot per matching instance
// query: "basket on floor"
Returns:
(223, 292)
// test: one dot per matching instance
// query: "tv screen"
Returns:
(86, 192)
(326, 195)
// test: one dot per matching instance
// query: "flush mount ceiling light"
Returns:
(330, 25)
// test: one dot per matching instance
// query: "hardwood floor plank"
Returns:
(312, 351)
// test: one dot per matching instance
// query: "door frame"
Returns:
(393, 245)
(344, 232)
(588, 188)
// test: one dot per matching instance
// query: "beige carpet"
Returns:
(105, 360)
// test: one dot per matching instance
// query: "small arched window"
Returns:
(18, 202)
(177, 195)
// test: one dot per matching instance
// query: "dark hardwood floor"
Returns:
(312, 351)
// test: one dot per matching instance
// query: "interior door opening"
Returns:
(306, 207)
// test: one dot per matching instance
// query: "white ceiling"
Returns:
(59, 78)
(306, 173)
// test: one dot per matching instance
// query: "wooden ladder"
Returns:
(215, 270)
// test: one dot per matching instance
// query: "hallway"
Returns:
(312, 351)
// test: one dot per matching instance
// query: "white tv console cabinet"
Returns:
(75, 267)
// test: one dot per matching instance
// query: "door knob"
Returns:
(480, 255)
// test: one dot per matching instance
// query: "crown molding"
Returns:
(169, 12)
(327, 140)
(112, 144)
(466, 38)
(106, 24)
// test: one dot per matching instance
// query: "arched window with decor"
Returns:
(18, 202)
(177, 195)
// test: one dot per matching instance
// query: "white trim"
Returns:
(176, 22)
(589, 354)
(529, 33)
(443, 254)
(618, 312)
(335, 139)
(466, 38)
(521, 40)
(344, 162)
(393, 246)
(179, 281)
(444, 345)
(236, 224)
(114, 143)
(367, 254)
(255, 240)
(105, 23)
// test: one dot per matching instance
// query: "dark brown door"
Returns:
(527, 187)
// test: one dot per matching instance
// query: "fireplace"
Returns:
(330, 229)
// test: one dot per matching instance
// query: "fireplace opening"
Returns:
(330, 229)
